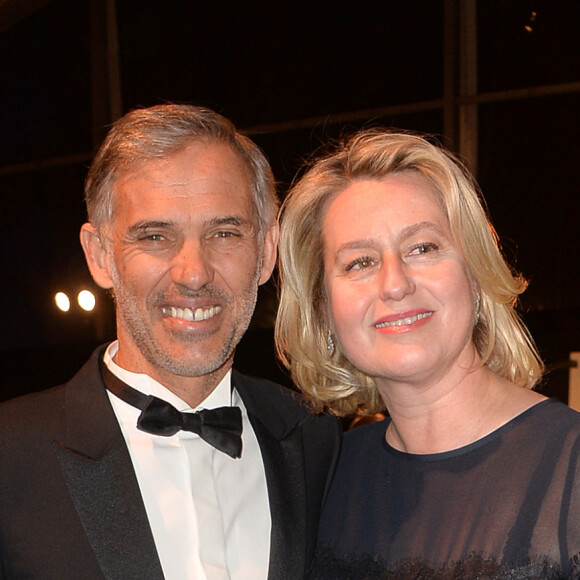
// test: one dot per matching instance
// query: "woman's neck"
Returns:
(448, 416)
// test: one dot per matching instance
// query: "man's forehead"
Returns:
(221, 152)
(217, 166)
(216, 171)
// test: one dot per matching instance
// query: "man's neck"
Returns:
(193, 390)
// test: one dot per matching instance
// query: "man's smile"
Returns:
(190, 315)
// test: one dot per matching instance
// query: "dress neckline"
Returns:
(469, 448)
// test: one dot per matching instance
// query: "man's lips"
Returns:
(403, 320)
(191, 315)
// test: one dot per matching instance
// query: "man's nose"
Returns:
(191, 266)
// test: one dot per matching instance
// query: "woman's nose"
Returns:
(396, 280)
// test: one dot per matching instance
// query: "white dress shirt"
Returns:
(208, 512)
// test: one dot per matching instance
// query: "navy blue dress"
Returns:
(506, 506)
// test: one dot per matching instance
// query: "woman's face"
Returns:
(400, 299)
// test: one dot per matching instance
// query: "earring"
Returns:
(477, 307)
(330, 343)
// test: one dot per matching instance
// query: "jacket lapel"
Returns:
(97, 467)
(275, 425)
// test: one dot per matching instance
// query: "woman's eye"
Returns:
(360, 264)
(423, 248)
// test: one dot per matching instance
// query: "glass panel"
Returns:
(40, 250)
(529, 152)
(261, 62)
(525, 43)
(45, 84)
(289, 150)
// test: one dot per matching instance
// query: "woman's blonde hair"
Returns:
(302, 327)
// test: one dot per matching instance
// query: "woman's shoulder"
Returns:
(549, 425)
(555, 410)
(370, 435)
(521, 408)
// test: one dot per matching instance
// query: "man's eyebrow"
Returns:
(146, 225)
(143, 226)
(233, 220)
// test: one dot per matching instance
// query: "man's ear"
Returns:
(96, 255)
(269, 253)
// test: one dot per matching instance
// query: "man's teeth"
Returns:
(190, 315)
(404, 321)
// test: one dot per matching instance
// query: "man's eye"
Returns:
(361, 263)
(226, 234)
(153, 238)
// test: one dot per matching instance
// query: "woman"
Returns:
(396, 296)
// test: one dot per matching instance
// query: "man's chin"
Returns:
(187, 364)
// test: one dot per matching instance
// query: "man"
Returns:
(96, 479)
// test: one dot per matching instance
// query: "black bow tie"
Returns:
(221, 427)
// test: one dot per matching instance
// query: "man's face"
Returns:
(184, 260)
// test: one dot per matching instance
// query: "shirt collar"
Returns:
(221, 396)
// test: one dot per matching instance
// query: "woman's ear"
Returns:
(96, 255)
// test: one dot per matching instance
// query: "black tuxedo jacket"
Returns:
(70, 505)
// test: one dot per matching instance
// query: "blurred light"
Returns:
(62, 301)
(531, 19)
(86, 300)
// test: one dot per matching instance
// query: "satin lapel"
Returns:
(99, 473)
(286, 493)
(282, 451)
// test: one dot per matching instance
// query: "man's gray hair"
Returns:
(160, 131)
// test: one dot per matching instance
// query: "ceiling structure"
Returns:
(498, 82)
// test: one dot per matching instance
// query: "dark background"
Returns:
(293, 74)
